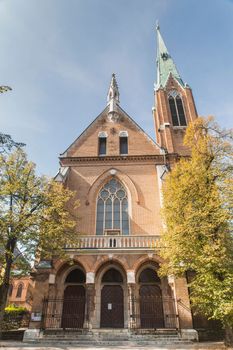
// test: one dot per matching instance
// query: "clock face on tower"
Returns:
(164, 56)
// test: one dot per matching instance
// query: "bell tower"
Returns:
(174, 104)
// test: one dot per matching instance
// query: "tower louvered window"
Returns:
(177, 110)
(112, 209)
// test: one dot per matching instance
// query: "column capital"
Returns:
(90, 277)
(131, 277)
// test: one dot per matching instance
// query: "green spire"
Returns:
(165, 63)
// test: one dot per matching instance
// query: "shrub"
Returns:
(15, 317)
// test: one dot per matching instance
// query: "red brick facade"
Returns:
(140, 172)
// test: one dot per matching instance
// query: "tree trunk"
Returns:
(4, 287)
(3, 299)
(228, 335)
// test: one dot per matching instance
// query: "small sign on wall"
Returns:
(109, 306)
(36, 316)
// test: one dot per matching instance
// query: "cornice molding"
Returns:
(158, 159)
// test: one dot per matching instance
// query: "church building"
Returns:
(110, 280)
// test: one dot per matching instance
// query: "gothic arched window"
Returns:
(177, 109)
(19, 291)
(112, 209)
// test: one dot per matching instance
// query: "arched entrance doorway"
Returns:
(151, 303)
(73, 311)
(112, 300)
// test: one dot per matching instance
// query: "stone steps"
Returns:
(125, 344)
(113, 337)
(114, 342)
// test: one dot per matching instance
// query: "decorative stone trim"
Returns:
(123, 134)
(103, 134)
(158, 158)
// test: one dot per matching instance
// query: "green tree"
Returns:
(7, 144)
(197, 211)
(6, 141)
(4, 88)
(35, 214)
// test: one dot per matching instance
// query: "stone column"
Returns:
(132, 307)
(90, 300)
(131, 299)
(90, 305)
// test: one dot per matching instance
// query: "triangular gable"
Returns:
(141, 130)
(64, 154)
(86, 144)
(170, 78)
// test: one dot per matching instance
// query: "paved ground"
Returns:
(10, 345)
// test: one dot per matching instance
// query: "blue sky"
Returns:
(58, 56)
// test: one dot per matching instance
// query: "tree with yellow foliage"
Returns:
(34, 215)
(197, 211)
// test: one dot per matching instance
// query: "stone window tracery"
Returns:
(112, 209)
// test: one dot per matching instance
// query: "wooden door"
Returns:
(73, 307)
(151, 307)
(112, 307)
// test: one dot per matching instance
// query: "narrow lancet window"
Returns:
(173, 111)
(123, 145)
(123, 141)
(19, 291)
(180, 109)
(112, 209)
(102, 146)
(177, 110)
